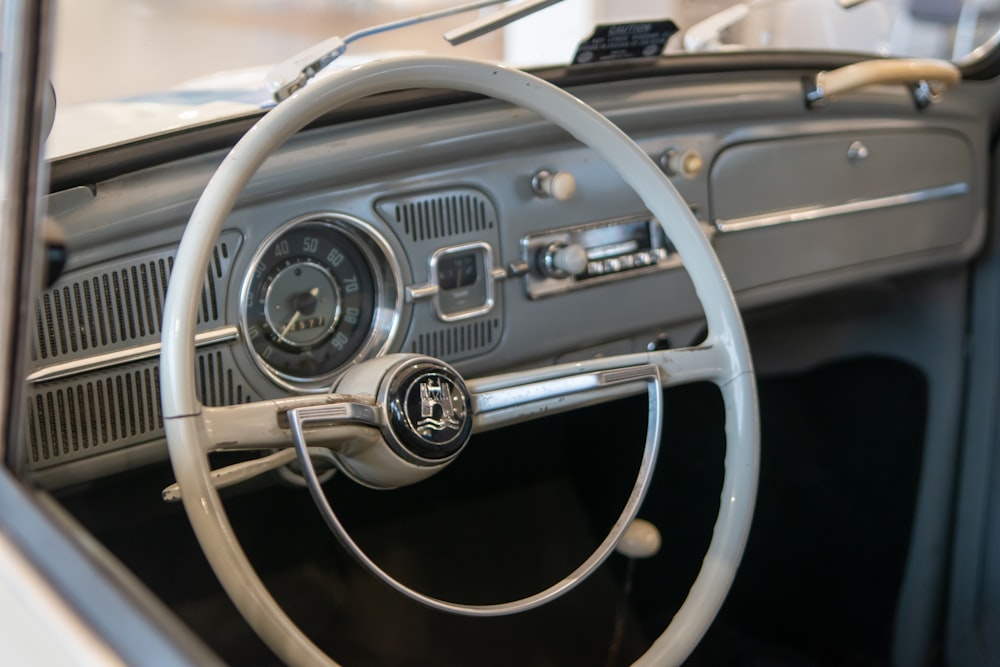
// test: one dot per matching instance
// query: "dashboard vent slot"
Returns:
(120, 305)
(72, 418)
(458, 341)
(439, 215)
(218, 383)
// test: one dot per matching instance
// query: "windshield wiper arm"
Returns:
(488, 24)
(290, 75)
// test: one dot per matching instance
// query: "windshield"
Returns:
(125, 68)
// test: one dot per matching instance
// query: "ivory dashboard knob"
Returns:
(641, 540)
(559, 185)
(559, 260)
(675, 162)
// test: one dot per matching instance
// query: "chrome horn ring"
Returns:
(400, 415)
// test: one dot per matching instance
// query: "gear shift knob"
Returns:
(641, 540)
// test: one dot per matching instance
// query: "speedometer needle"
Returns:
(314, 292)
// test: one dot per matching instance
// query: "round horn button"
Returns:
(430, 411)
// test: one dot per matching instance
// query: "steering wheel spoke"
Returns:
(513, 398)
(710, 361)
(247, 470)
(517, 397)
(335, 421)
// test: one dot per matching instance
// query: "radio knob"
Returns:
(559, 260)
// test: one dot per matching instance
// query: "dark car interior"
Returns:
(856, 235)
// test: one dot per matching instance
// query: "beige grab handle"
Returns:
(930, 76)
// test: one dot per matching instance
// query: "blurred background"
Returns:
(116, 48)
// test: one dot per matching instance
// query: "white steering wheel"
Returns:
(365, 425)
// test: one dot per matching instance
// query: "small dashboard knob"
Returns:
(559, 260)
(675, 162)
(559, 185)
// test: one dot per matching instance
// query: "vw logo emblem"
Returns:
(435, 408)
(430, 412)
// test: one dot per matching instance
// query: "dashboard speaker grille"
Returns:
(458, 341)
(438, 215)
(104, 411)
(115, 306)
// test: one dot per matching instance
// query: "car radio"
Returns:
(575, 257)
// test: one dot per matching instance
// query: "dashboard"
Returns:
(478, 234)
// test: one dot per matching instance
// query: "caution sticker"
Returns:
(621, 41)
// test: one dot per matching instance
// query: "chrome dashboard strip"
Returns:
(132, 354)
(810, 213)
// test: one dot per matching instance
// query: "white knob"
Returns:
(681, 163)
(641, 540)
(559, 260)
(559, 185)
(571, 259)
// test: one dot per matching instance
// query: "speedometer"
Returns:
(316, 299)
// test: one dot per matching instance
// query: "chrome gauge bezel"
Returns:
(383, 265)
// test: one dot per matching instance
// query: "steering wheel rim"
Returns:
(187, 434)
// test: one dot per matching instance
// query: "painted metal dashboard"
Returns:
(442, 231)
